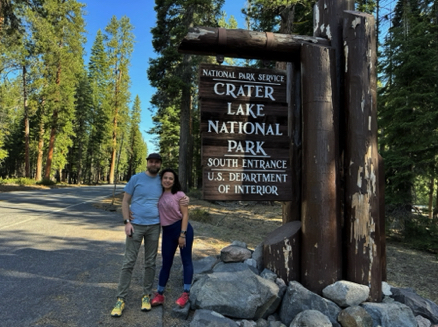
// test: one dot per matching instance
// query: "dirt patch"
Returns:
(15, 188)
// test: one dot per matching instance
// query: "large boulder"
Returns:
(390, 314)
(311, 318)
(297, 299)
(235, 253)
(420, 306)
(208, 318)
(205, 265)
(233, 267)
(240, 294)
(346, 294)
(355, 316)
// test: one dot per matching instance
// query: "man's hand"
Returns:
(185, 201)
(129, 229)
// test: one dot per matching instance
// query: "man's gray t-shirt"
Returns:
(145, 192)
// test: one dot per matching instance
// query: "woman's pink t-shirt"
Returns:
(168, 207)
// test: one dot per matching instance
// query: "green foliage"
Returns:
(137, 149)
(195, 193)
(408, 100)
(422, 233)
(120, 44)
(367, 6)
(46, 182)
(200, 215)
(78, 120)
(413, 227)
(281, 16)
(99, 141)
(22, 181)
(167, 127)
(174, 76)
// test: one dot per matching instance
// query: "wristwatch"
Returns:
(126, 221)
(183, 232)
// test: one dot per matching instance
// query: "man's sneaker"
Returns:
(118, 309)
(183, 299)
(157, 300)
(145, 303)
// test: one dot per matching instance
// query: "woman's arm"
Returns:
(184, 224)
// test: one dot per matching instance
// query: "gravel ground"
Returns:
(217, 225)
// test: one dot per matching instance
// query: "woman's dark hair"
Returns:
(176, 184)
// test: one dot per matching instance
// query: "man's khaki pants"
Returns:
(150, 234)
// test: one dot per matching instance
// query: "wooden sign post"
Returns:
(333, 115)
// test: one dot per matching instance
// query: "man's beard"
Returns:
(153, 170)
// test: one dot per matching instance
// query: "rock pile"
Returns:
(234, 290)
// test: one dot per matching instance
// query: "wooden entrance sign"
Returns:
(245, 145)
(333, 141)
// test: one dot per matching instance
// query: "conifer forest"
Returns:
(64, 120)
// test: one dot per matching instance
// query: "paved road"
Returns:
(60, 260)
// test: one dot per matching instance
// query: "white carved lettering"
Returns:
(261, 91)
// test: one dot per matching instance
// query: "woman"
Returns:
(177, 232)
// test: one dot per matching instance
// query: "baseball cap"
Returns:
(154, 156)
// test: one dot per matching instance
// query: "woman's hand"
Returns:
(182, 242)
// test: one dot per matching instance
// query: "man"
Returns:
(142, 192)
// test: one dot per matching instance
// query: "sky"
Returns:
(142, 16)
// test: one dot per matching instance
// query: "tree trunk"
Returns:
(185, 126)
(382, 216)
(431, 188)
(291, 210)
(113, 153)
(286, 24)
(79, 169)
(190, 151)
(26, 126)
(321, 263)
(287, 18)
(54, 127)
(362, 219)
(48, 167)
(114, 140)
(39, 167)
(436, 202)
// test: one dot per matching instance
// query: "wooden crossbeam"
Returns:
(240, 43)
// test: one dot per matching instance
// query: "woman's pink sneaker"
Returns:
(157, 300)
(183, 299)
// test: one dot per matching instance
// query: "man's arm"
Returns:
(126, 214)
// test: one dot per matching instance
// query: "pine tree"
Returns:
(136, 148)
(10, 113)
(99, 79)
(59, 34)
(166, 126)
(408, 101)
(174, 74)
(120, 44)
(82, 128)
